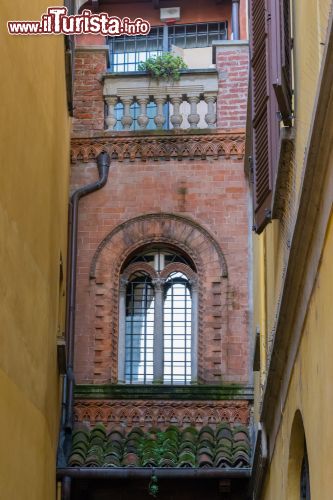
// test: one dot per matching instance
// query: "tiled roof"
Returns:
(227, 446)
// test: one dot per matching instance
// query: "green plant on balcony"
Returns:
(163, 67)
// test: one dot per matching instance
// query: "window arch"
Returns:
(298, 465)
(305, 478)
(158, 325)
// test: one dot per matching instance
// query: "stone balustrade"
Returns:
(187, 103)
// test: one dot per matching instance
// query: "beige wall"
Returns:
(34, 158)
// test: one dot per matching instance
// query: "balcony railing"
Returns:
(136, 102)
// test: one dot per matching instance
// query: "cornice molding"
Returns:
(159, 146)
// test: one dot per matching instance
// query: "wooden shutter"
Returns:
(260, 113)
(69, 60)
(282, 83)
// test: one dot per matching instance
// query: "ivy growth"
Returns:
(163, 67)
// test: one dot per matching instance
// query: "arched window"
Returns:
(298, 466)
(305, 478)
(158, 324)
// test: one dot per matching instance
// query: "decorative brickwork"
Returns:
(160, 147)
(170, 229)
(148, 414)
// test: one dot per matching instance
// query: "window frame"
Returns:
(159, 279)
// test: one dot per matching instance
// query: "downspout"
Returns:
(103, 165)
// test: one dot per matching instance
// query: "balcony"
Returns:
(136, 102)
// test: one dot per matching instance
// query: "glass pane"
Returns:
(139, 323)
(177, 329)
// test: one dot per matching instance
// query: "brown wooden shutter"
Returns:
(282, 83)
(260, 113)
(69, 60)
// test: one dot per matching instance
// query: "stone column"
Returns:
(194, 329)
(210, 117)
(176, 118)
(235, 19)
(159, 118)
(111, 119)
(122, 331)
(193, 117)
(127, 120)
(158, 349)
(143, 119)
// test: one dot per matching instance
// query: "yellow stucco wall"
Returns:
(310, 23)
(311, 392)
(34, 159)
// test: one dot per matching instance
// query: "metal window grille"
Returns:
(139, 329)
(159, 257)
(177, 330)
(190, 36)
(177, 320)
(127, 51)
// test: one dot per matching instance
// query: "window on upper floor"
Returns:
(127, 51)
(158, 326)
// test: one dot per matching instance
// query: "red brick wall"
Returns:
(216, 198)
(212, 193)
(232, 65)
(90, 65)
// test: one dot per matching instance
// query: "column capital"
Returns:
(122, 284)
(158, 283)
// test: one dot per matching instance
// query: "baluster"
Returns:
(176, 118)
(143, 119)
(210, 117)
(159, 118)
(126, 119)
(111, 119)
(193, 117)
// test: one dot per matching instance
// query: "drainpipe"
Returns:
(103, 165)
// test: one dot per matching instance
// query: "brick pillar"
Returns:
(90, 65)
(232, 63)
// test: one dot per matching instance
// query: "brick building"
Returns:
(161, 323)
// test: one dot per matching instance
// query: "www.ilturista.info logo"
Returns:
(56, 21)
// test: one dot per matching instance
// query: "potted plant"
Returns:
(163, 67)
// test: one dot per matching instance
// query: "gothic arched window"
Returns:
(158, 318)
(305, 478)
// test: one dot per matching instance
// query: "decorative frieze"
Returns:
(147, 414)
(164, 146)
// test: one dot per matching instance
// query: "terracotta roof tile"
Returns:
(227, 446)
